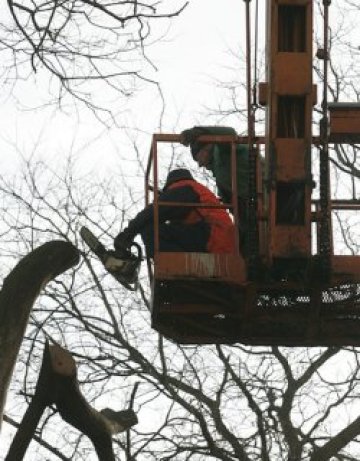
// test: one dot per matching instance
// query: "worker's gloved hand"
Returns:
(123, 240)
(189, 136)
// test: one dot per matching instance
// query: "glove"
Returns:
(123, 240)
(188, 137)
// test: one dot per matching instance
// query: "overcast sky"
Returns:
(187, 63)
(195, 53)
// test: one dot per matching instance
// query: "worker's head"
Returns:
(177, 175)
(201, 153)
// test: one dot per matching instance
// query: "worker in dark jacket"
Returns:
(216, 157)
(182, 229)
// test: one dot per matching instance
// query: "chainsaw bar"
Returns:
(123, 267)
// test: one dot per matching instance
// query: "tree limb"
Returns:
(57, 384)
(17, 296)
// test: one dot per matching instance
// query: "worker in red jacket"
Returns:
(182, 229)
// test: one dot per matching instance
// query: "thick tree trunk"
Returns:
(17, 296)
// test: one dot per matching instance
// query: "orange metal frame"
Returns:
(201, 298)
(192, 291)
(345, 122)
(351, 268)
(169, 266)
(153, 166)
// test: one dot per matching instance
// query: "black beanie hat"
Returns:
(189, 138)
(177, 175)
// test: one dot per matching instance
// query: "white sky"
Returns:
(203, 36)
(188, 61)
(195, 53)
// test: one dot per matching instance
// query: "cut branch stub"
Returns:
(17, 296)
(57, 384)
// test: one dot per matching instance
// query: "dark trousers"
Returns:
(177, 237)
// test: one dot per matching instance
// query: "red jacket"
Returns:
(222, 229)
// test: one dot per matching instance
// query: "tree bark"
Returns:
(17, 296)
(57, 384)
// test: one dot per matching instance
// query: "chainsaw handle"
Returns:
(138, 250)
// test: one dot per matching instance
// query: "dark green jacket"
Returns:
(220, 164)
